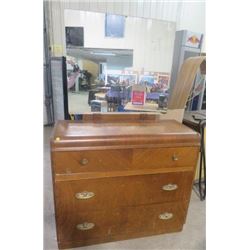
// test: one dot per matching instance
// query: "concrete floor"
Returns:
(191, 238)
(78, 102)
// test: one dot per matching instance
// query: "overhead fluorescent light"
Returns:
(103, 53)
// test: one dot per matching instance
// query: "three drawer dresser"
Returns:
(121, 177)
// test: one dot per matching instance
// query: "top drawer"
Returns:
(67, 162)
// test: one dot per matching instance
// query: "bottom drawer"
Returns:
(86, 228)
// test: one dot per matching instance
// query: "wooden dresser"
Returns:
(120, 180)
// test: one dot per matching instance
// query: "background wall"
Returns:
(190, 15)
(119, 62)
(152, 41)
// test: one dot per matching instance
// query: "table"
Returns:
(155, 96)
(125, 94)
(147, 107)
(116, 94)
(100, 96)
(103, 89)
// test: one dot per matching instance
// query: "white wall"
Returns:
(152, 41)
(190, 15)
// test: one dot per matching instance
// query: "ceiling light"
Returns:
(103, 53)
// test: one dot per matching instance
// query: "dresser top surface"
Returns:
(82, 133)
(71, 129)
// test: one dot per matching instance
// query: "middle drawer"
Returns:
(96, 194)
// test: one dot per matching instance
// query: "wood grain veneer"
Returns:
(121, 167)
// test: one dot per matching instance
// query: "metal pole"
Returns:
(47, 69)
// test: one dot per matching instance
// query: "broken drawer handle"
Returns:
(166, 216)
(85, 226)
(170, 187)
(84, 195)
(84, 161)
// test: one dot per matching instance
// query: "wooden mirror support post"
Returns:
(179, 96)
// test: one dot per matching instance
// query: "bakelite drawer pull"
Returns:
(175, 158)
(166, 216)
(84, 161)
(170, 187)
(84, 195)
(85, 226)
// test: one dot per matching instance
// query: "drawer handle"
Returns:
(85, 226)
(166, 216)
(170, 187)
(175, 158)
(84, 195)
(84, 161)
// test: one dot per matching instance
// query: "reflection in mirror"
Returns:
(113, 73)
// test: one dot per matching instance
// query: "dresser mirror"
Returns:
(105, 60)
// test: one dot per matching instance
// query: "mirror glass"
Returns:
(116, 61)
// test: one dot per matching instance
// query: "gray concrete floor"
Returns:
(191, 238)
(78, 102)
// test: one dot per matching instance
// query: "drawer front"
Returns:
(165, 157)
(91, 161)
(105, 193)
(122, 160)
(125, 222)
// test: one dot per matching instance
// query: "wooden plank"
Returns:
(147, 107)
(97, 175)
(119, 117)
(184, 83)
